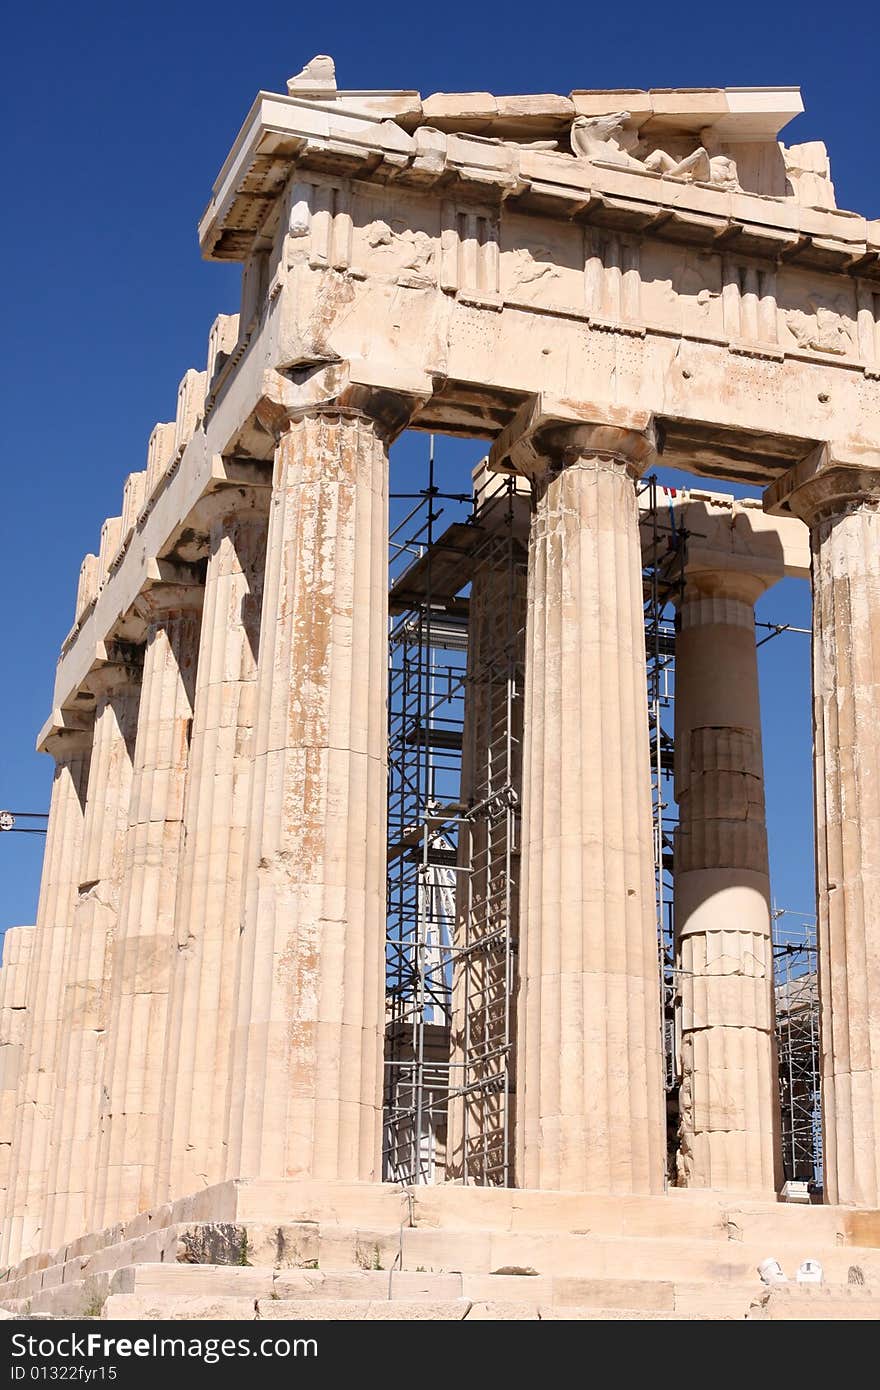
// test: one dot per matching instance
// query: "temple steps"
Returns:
(185, 1292)
(687, 1255)
(247, 1251)
(693, 1278)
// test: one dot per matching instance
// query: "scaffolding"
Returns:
(664, 546)
(482, 1081)
(427, 669)
(796, 992)
(453, 831)
(455, 723)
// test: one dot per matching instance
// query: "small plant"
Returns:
(369, 1258)
(93, 1307)
(243, 1250)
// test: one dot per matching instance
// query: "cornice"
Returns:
(285, 134)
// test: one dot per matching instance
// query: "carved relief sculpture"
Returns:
(610, 140)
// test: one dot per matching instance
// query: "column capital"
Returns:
(833, 479)
(725, 581)
(386, 416)
(549, 433)
(386, 396)
(116, 667)
(238, 503)
(67, 734)
(169, 590)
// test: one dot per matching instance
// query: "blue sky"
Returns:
(117, 119)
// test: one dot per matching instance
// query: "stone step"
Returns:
(164, 1307)
(160, 1307)
(588, 1256)
(280, 1246)
(297, 1223)
(801, 1304)
(246, 1288)
(255, 1247)
(679, 1214)
(384, 1206)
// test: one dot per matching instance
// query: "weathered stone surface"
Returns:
(158, 1307)
(286, 1310)
(191, 1143)
(502, 1312)
(18, 943)
(729, 1128)
(615, 1315)
(306, 1080)
(24, 1229)
(805, 1304)
(283, 1247)
(841, 503)
(123, 1182)
(222, 1281)
(710, 1272)
(657, 1295)
(589, 1095)
(87, 965)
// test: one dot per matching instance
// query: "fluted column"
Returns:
(306, 1085)
(841, 504)
(192, 1150)
(17, 947)
(590, 1111)
(83, 1040)
(729, 1104)
(24, 1229)
(144, 944)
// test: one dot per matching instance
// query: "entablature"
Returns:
(284, 135)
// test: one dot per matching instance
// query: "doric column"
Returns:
(83, 1039)
(590, 1111)
(839, 498)
(482, 1069)
(17, 946)
(202, 1008)
(24, 1229)
(306, 1088)
(729, 1103)
(144, 944)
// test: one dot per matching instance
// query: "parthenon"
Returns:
(302, 1025)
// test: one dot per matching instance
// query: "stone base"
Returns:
(272, 1250)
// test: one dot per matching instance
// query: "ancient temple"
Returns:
(195, 1038)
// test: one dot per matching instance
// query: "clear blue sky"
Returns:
(118, 117)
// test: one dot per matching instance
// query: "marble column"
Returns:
(840, 501)
(17, 947)
(25, 1227)
(590, 1102)
(481, 1108)
(729, 1103)
(144, 944)
(192, 1151)
(306, 1089)
(83, 1040)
